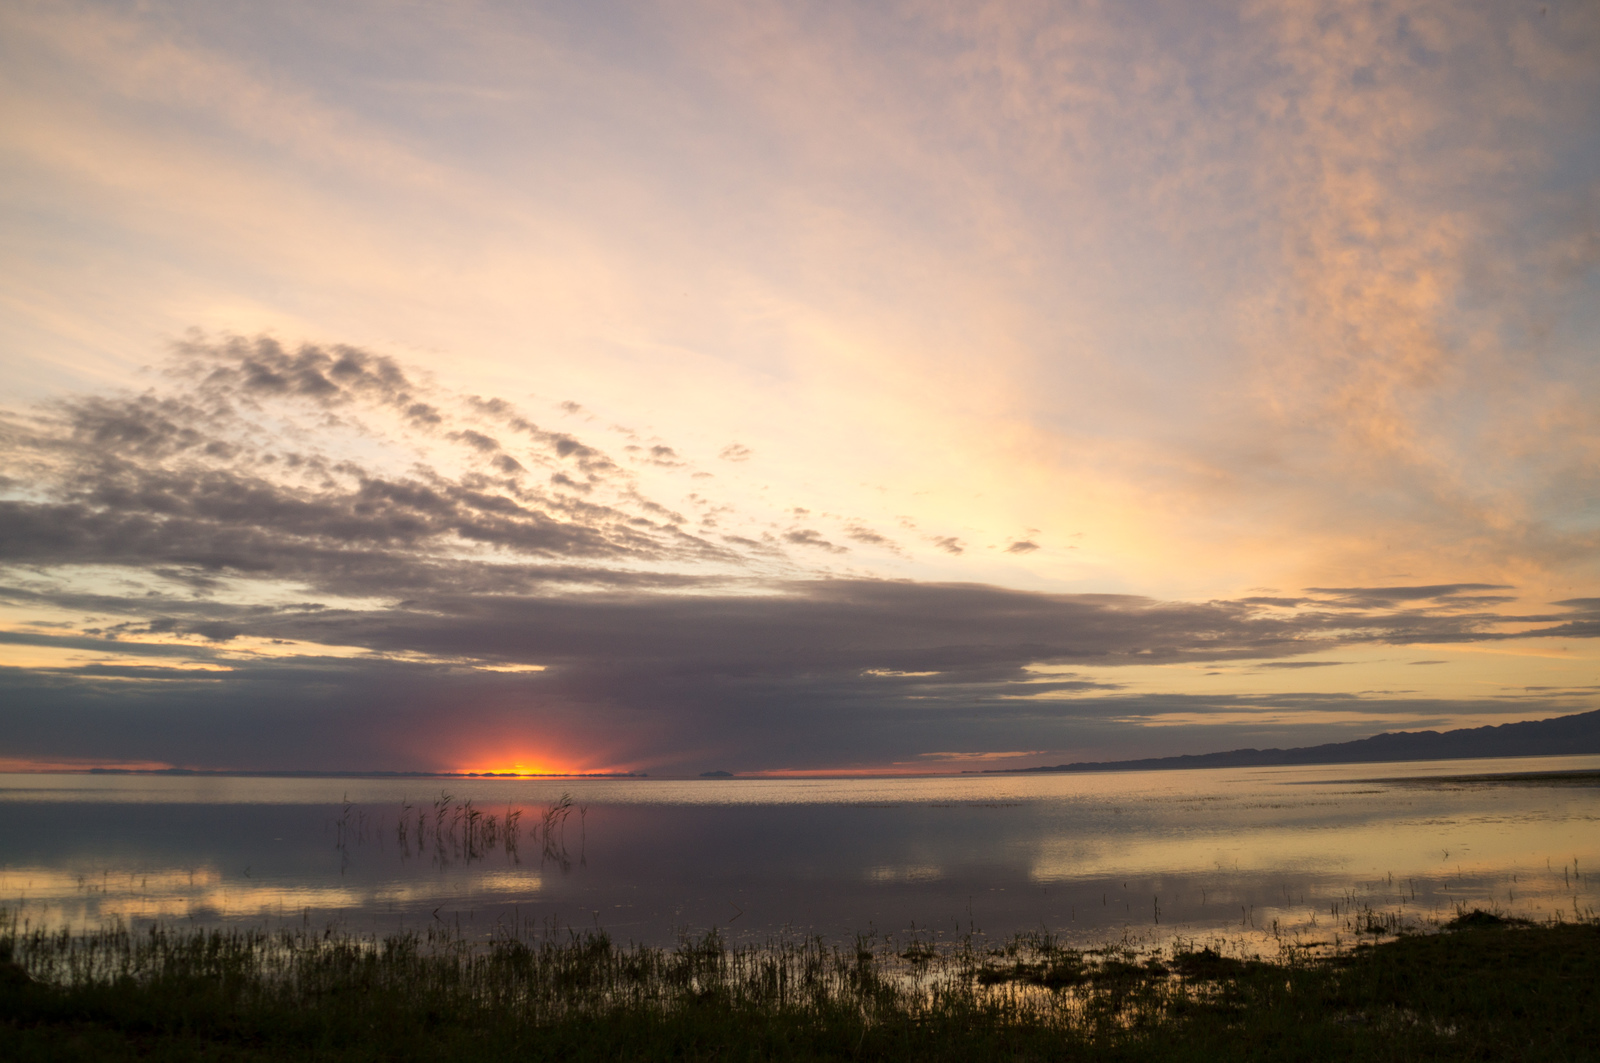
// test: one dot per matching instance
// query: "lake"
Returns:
(1258, 852)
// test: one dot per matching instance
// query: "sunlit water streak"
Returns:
(1274, 852)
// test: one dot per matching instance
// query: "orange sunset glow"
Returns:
(518, 766)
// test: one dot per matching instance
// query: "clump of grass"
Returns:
(1478, 919)
(460, 832)
(1489, 989)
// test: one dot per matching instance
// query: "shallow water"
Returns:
(1258, 852)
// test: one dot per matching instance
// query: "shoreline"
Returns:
(1480, 986)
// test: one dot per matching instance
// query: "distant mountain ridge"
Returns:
(1575, 734)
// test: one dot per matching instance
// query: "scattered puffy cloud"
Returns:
(812, 537)
(867, 537)
(284, 464)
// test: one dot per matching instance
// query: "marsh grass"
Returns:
(453, 831)
(1483, 988)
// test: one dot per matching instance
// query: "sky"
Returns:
(792, 387)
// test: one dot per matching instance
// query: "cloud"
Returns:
(868, 537)
(1310, 260)
(807, 674)
(281, 532)
(1301, 664)
(278, 463)
(1390, 597)
(383, 713)
(812, 537)
(665, 456)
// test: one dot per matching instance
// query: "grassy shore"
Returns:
(1483, 988)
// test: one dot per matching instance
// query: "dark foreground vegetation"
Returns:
(1483, 988)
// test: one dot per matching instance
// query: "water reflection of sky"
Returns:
(1093, 856)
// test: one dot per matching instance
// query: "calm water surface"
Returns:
(1094, 857)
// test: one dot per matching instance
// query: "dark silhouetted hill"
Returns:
(1535, 738)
